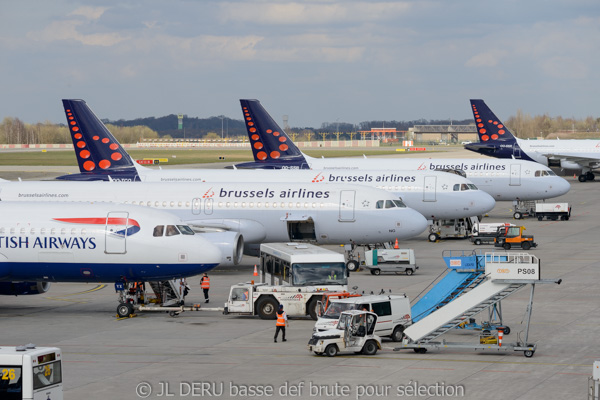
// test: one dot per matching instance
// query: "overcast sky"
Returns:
(316, 61)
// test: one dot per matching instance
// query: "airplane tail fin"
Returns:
(489, 127)
(271, 146)
(96, 149)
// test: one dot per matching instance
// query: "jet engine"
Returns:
(230, 243)
(564, 164)
(23, 288)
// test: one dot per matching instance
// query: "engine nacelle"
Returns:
(565, 164)
(23, 288)
(230, 243)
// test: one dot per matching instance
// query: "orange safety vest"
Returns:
(205, 284)
(280, 319)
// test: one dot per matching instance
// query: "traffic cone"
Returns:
(500, 334)
(396, 244)
(255, 270)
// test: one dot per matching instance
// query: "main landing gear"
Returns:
(588, 176)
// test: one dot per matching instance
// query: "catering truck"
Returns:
(296, 275)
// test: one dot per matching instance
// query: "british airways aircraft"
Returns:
(435, 194)
(260, 212)
(504, 180)
(101, 242)
(496, 140)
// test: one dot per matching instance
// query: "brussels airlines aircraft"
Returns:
(502, 179)
(495, 140)
(260, 212)
(83, 242)
(436, 195)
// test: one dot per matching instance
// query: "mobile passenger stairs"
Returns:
(466, 270)
(482, 288)
(166, 296)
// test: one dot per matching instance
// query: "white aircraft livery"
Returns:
(435, 194)
(496, 140)
(260, 212)
(504, 180)
(82, 242)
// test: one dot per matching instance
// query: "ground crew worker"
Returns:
(205, 285)
(281, 323)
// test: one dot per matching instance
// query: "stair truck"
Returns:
(452, 228)
(354, 333)
(390, 260)
(30, 372)
(504, 275)
(296, 275)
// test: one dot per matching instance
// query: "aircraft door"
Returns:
(516, 150)
(196, 206)
(208, 206)
(116, 232)
(347, 205)
(515, 175)
(429, 188)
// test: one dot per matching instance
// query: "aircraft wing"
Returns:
(591, 160)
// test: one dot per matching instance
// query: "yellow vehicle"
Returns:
(512, 236)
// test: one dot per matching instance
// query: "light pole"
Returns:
(222, 118)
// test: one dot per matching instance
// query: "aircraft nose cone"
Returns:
(560, 187)
(414, 223)
(483, 203)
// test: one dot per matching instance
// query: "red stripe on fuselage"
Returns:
(99, 221)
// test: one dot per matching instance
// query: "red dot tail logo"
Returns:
(422, 167)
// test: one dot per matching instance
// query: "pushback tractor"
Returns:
(294, 275)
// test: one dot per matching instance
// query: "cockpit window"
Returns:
(545, 173)
(172, 230)
(389, 204)
(459, 187)
(379, 204)
(158, 230)
(399, 203)
(185, 230)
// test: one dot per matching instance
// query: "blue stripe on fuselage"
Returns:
(106, 272)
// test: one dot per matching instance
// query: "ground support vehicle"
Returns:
(292, 274)
(504, 275)
(393, 311)
(486, 233)
(466, 270)
(512, 236)
(452, 228)
(30, 372)
(354, 333)
(166, 296)
(551, 211)
(390, 260)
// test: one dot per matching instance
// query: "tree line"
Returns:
(15, 131)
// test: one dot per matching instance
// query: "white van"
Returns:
(393, 312)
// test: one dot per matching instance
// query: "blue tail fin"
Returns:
(271, 146)
(495, 140)
(98, 153)
(489, 127)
